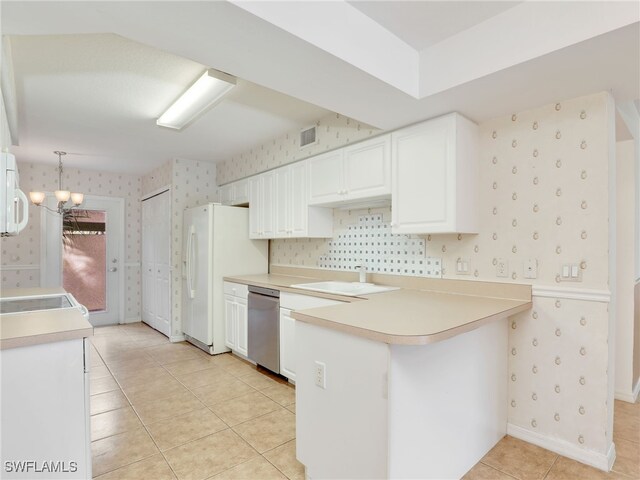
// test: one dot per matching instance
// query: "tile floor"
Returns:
(166, 411)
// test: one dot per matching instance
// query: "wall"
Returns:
(543, 183)
(192, 184)
(333, 130)
(20, 262)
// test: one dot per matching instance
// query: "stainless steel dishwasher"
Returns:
(264, 327)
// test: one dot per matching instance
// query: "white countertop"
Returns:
(44, 326)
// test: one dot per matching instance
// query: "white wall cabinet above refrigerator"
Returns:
(236, 193)
(356, 172)
(434, 172)
(279, 208)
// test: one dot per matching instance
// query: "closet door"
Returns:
(156, 262)
(162, 250)
(148, 264)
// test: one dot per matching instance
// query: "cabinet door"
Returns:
(367, 168)
(287, 344)
(148, 300)
(225, 194)
(423, 177)
(230, 322)
(255, 217)
(268, 204)
(241, 325)
(240, 192)
(326, 184)
(283, 202)
(298, 205)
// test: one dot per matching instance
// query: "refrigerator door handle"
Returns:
(190, 262)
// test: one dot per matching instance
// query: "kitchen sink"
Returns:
(350, 289)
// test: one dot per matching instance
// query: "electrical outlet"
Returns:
(502, 268)
(321, 378)
(462, 266)
(530, 269)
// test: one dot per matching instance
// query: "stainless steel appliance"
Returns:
(264, 327)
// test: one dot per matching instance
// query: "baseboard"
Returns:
(600, 461)
(177, 338)
(630, 397)
(131, 320)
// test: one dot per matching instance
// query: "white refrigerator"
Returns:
(215, 244)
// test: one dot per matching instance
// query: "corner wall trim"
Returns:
(600, 461)
(569, 293)
(177, 338)
(131, 320)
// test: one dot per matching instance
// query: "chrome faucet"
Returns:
(362, 270)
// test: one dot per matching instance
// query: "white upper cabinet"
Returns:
(279, 206)
(434, 172)
(367, 169)
(360, 171)
(262, 206)
(236, 193)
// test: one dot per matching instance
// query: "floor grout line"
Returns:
(551, 467)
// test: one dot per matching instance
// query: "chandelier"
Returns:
(62, 195)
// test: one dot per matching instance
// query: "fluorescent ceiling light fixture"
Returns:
(204, 93)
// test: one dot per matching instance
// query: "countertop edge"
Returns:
(299, 291)
(410, 339)
(31, 340)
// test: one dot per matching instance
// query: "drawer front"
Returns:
(295, 301)
(236, 289)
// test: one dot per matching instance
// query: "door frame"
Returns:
(51, 247)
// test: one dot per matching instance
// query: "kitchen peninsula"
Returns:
(410, 383)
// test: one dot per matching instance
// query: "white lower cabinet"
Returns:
(45, 412)
(290, 302)
(287, 344)
(235, 317)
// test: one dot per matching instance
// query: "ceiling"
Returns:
(97, 96)
(423, 24)
(386, 63)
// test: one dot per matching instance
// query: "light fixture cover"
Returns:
(36, 197)
(62, 195)
(205, 91)
(77, 198)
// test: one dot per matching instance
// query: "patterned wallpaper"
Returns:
(158, 178)
(192, 183)
(543, 183)
(333, 130)
(21, 254)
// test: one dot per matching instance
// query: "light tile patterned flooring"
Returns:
(167, 411)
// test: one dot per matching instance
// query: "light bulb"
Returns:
(62, 195)
(77, 198)
(36, 197)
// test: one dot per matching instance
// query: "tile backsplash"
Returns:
(370, 243)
